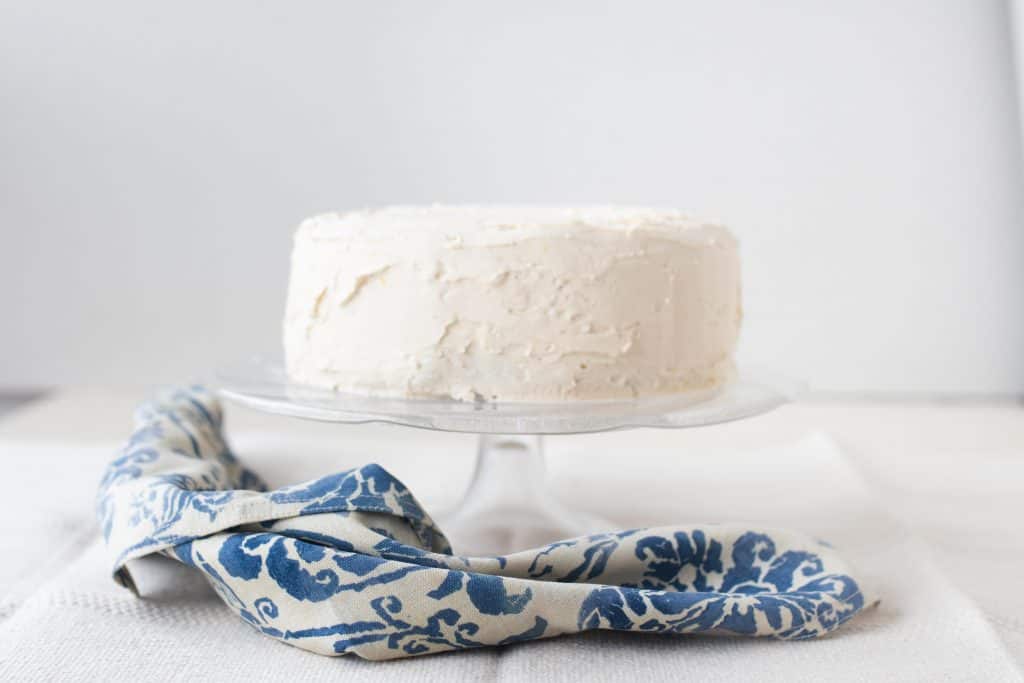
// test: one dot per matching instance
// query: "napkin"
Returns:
(351, 563)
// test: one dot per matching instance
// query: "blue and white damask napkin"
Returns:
(350, 562)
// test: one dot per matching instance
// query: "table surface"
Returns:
(952, 471)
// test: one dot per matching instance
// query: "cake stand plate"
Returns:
(507, 506)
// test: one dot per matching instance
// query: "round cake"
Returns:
(505, 303)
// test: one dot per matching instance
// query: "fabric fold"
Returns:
(351, 563)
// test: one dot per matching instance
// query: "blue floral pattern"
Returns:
(351, 563)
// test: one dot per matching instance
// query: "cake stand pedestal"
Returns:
(507, 505)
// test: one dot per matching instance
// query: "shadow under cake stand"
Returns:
(507, 505)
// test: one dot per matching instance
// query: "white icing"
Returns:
(512, 303)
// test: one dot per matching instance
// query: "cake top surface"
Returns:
(498, 224)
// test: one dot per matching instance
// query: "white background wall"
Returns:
(154, 158)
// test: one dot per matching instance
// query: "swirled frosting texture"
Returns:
(512, 303)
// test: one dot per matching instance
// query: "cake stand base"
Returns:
(507, 506)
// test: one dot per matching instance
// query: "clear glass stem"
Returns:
(507, 506)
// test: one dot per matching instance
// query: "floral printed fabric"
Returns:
(350, 562)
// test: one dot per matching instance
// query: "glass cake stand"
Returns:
(507, 505)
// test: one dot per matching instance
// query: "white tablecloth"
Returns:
(925, 498)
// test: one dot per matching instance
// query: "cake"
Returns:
(496, 303)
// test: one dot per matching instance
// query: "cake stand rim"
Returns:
(748, 394)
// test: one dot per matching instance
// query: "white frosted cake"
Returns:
(500, 303)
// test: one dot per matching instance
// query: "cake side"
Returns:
(512, 304)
